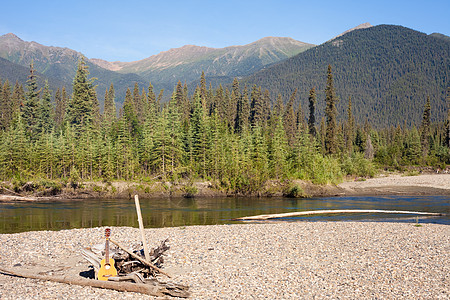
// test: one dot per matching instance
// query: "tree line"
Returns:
(236, 137)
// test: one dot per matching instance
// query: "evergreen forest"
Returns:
(389, 71)
(236, 137)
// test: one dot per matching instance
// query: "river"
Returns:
(168, 212)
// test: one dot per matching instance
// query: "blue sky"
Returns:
(136, 29)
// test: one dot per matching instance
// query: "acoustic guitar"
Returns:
(107, 268)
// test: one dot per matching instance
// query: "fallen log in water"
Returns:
(8, 198)
(342, 211)
(148, 289)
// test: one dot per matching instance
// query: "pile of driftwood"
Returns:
(135, 273)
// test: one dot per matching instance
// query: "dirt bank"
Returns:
(427, 184)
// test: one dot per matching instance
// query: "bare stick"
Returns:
(141, 226)
(122, 286)
(316, 212)
(145, 262)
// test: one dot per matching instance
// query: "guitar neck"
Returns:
(107, 250)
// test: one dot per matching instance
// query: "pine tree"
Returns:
(81, 107)
(45, 111)
(59, 109)
(6, 109)
(322, 135)
(158, 101)
(279, 151)
(300, 121)
(30, 108)
(199, 136)
(18, 149)
(231, 102)
(425, 133)
(349, 128)
(312, 118)
(203, 92)
(242, 113)
(278, 108)
(109, 110)
(144, 104)
(160, 154)
(290, 119)
(151, 100)
(256, 107)
(174, 134)
(331, 146)
(266, 102)
(129, 112)
(138, 105)
(17, 100)
(259, 159)
(447, 125)
(96, 117)
(412, 147)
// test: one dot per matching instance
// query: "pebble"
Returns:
(273, 260)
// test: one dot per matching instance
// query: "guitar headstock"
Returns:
(107, 232)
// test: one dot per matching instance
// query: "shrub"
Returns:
(294, 191)
(189, 191)
(357, 165)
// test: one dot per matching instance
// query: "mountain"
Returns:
(14, 72)
(188, 62)
(59, 65)
(360, 26)
(440, 36)
(387, 70)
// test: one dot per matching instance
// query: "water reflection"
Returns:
(166, 212)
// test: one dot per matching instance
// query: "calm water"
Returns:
(19, 217)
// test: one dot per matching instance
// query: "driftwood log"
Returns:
(344, 211)
(156, 289)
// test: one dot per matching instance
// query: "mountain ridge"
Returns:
(388, 70)
(163, 70)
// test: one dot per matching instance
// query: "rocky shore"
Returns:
(303, 260)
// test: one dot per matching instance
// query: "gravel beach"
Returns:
(274, 260)
(424, 184)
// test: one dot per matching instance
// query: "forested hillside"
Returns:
(231, 137)
(387, 70)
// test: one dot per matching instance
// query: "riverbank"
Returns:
(302, 260)
(424, 184)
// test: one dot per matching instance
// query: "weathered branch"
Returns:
(157, 291)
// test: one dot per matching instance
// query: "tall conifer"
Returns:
(349, 127)
(425, 133)
(331, 146)
(312, 107)
(45, 111)
(290, 119)
(30, 108)
(81, 108)
(6, 109)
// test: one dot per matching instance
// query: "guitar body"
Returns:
(107, 269)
